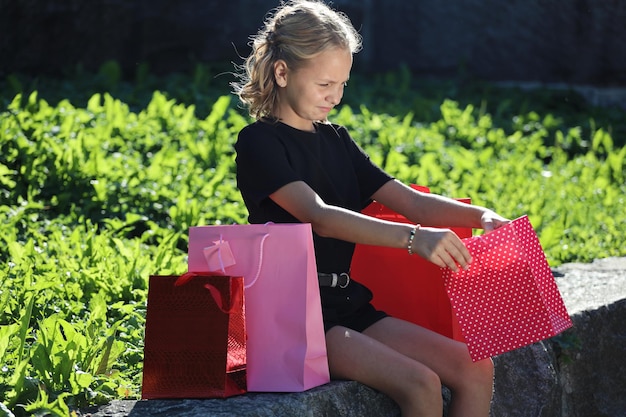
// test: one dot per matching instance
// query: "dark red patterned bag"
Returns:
(195, 342)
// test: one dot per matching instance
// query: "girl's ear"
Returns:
(280, 73)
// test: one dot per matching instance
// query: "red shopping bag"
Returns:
(508, 297)
(406, 287)
(195, 341)
(286, 341)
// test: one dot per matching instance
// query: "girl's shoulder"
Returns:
(258, 132)
(259, 126)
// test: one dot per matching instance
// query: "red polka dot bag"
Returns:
(508, 297)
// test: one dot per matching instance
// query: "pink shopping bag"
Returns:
(286, 347)
(508, 297)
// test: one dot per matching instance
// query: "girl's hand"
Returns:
(441, 247)
(491, 220)
(445, 249)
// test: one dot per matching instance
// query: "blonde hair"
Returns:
(297, 31)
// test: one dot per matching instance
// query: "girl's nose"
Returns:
(335, 97)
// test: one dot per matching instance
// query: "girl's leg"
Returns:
(355, 356)
(471, 383)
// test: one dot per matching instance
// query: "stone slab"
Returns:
(588, 286)
(327, 400)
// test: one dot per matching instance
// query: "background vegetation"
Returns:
(100, 179)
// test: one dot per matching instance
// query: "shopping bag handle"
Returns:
(219, 255)
(260, 263)
(183, 279)
(235, 298)
(235, 292)
(186, 277)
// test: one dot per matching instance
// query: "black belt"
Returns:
(333, 280)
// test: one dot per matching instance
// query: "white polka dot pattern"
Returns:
(508, 297)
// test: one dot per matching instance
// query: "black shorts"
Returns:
(349, 307)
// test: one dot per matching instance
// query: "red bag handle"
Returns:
(235, 292)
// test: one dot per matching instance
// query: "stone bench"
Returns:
(580, 373)
(338, 398)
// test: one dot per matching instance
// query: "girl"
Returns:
(295, 166)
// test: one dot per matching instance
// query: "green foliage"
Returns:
(98, 190)
(93, 201)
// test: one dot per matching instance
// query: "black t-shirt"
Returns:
(273, 154)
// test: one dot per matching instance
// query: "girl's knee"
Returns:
(474, 374)
(483, 370)
(420, 392)
(423, 382)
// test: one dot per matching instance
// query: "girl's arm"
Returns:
(436, 210)
(440, 246)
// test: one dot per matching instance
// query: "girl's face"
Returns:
(307, 95)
